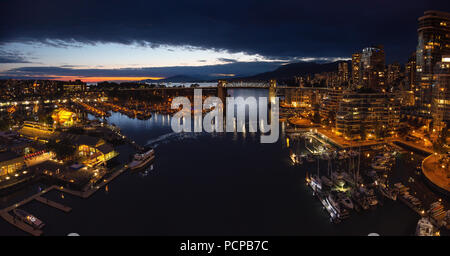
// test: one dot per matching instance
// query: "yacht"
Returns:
(315, 183)
(387, 192)
(371, 197)
(142, 159)
(326, 181)
(335, 205)
(379, 166)
(424, 228)
(360, 200)
(29, 219)
(310, 159)
(295, 159)
(344, 200)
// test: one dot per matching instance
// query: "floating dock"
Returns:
(4, 213)
(53, 204)
(92, 190)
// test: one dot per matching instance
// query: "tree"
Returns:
(46, 119)
(439, 147)
(316, 118)
(332, 116)
(380, 130)
(63, 149)
(404, 130)
(4, 125)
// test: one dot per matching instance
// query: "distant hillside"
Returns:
(295, 69)
(282, 73)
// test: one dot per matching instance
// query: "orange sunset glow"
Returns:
(96, 79)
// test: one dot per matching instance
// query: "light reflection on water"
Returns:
(210, 184)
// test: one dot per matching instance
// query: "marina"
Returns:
(349, 183)
(360, 185)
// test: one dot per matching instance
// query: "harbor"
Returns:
(314, 178)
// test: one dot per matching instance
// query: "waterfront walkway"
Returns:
(413, 145)
(434, 172)
(343, 143)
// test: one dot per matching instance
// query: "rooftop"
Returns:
(7, 155)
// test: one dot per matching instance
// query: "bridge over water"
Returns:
(221, 90)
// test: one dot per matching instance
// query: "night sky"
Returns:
(154, 39)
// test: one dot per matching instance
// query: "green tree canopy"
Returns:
(63, 149)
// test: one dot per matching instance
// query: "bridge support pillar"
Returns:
(222, 91)
(272, 91)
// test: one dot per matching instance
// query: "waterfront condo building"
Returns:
(433, 42)
(441, 94)
(367, 115)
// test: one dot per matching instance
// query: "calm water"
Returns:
(209, 184)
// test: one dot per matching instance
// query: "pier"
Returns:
(4, 213)
(89, 192)
(53, 204)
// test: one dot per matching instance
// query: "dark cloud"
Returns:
(204, 72)
(227, 60)
(270, 28)
(12, 57)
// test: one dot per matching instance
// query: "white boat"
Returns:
(315, 183)
(371, 197)
(141, 160)
(295, 159)
(424, 228)
(344, 200)
(379, 166)
(326, 181)
(29, 218)
(310, 159)
(389, 193)
(340, 212)
(360, 199)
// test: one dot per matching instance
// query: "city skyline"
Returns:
(225, 118)
(86, 42)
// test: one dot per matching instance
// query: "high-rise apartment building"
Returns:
(356, 62)
(410, 73)
(372, 68)
(441, 94)
(343, 74)
(393, 74)
(433, 42)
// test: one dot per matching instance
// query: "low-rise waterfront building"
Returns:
(10, 163)
(63, 117)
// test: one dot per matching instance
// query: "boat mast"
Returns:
(318, 161)
(359, 164)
